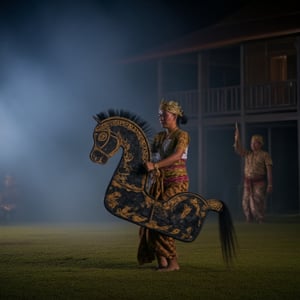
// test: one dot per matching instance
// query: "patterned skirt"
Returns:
(153, 244)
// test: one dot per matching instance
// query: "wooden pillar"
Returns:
(159, 80)
(242, 94)
(242, 112)
(298, 113)
(201, 146)
(242, 120)
(270, 152)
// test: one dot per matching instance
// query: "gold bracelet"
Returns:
(155, 165)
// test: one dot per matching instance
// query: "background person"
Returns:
(257, 177)
(8, 199)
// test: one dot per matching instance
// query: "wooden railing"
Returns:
(227, 100)
(221, 100)
(274, 96)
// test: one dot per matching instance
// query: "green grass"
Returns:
(96, 261)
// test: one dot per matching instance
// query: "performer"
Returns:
(257, 177)
(8, 199)
(169, 149)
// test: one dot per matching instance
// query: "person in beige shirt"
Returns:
(257, 177)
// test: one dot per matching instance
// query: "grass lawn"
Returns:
(98, 261)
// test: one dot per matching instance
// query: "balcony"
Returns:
(261, 98)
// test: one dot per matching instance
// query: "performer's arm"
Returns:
(270, 179)
(238, 148)
(168, 161)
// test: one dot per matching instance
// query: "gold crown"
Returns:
(172, 107)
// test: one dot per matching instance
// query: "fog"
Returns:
(59, 67)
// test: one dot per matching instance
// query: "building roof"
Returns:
(253, 22)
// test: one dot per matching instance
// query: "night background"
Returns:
(61, 63)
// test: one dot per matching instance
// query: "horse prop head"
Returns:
(106, 143)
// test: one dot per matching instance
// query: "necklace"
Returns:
(169, 134)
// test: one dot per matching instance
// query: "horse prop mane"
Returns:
(126, 197)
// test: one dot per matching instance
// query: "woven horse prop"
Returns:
(126, 197)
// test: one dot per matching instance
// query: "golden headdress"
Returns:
(258, 138)
(172, 107)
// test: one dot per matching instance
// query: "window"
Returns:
(278, 68)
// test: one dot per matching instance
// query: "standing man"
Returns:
(257, 177)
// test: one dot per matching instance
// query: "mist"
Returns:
(59, 67)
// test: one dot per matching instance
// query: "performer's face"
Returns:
(255, 145)
(167, 119)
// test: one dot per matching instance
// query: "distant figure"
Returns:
(257, 177)
(8, 199)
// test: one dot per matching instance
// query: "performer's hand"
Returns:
(149, 166)
(236, 133)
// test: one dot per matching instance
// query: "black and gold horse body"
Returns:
(181, 217)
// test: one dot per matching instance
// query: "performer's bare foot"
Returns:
(168, 269)
(172, 266)
(162, 262)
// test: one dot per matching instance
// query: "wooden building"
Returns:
(245, 69)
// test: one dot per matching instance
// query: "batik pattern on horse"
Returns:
(180, 217)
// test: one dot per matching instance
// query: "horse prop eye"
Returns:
(102, 137)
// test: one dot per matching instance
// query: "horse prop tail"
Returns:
(227, 232)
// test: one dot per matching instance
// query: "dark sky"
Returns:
(58, 69)
(142, 24)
